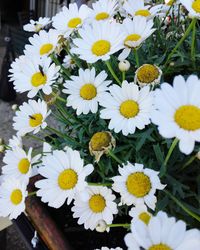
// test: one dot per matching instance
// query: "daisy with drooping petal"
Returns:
(68, 62)
(177, 111)
(37, 74)
(65, 177)
(85, 90)
(127, 107)
(36, 26)
(98, 41)
(148, 74)
(162, 232)
(31, 117)
(193, 7)
(70, 18)
(12, 198)
(98, 204)
(17, 66)
(42, 44)
(140, 212)
(135, 32)
(103, 9)
(18, 164)
(138, 8)
(137, 185)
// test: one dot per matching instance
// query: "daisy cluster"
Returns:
(118, 118)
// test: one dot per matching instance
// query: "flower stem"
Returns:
(125, 225)
(113, 73)
(192, 158)
(57, 62)
(35, 138)
(32, 193)
(100, 184)
(59, 98)
(123, 75)
(193, 42)
(74, 58)
(188, 211)
(112, 155)
(187, 32)
(136, 58)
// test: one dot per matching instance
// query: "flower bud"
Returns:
(101, 226)
(124, 65)
(2, 148)
(14, 107)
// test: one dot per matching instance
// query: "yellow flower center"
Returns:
(160, 246)
(35, 120)
(102, 16)
(88, 91)
(97, 203)
(131, 38)
(100, 140)
(129, 108)
(101, 47)
(196, 6)
(23, 166)
(74, 22)
(145, 217)
(67, 179)
(188, 117)
(46, 48)
(147, 73)
(144, 13)
(16, 196)
(38, 79)
(138, 184)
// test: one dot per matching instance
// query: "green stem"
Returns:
(74, 58)
(100, 184)
(171, 149)
(123, 76)
(192, 158)
(136, 58)
(112, 155)
(125, 225)
(57, 62)
(63, 136)
(167, 14)
(59, 98)
(193, 42)
(113, 73)
(195, 216)
(187, 32)
(32, 193)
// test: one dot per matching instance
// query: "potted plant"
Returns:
(118, 166)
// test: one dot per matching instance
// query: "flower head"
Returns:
(193, 7)
(36, 26)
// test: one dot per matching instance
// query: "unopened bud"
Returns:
(14, 107)
(2, 148)
(101, 226)
(124, 65)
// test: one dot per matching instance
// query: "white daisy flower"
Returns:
(68, 62)
(127, 107)
(98, 41)
(177, 111)
(12, 198)
(36, 26)
(85, 90)
(135, 32)
(104, 9)
(98, 204)
(31, 117)
(137, 185)
(70, 18)
(140, 212)
(106, 248)
(42, 44)
(164, 233)
(18, 164)
(15, 142)
(65, 177)
(193, 7)
(37, 74)
(138, 8)
(17, 66)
